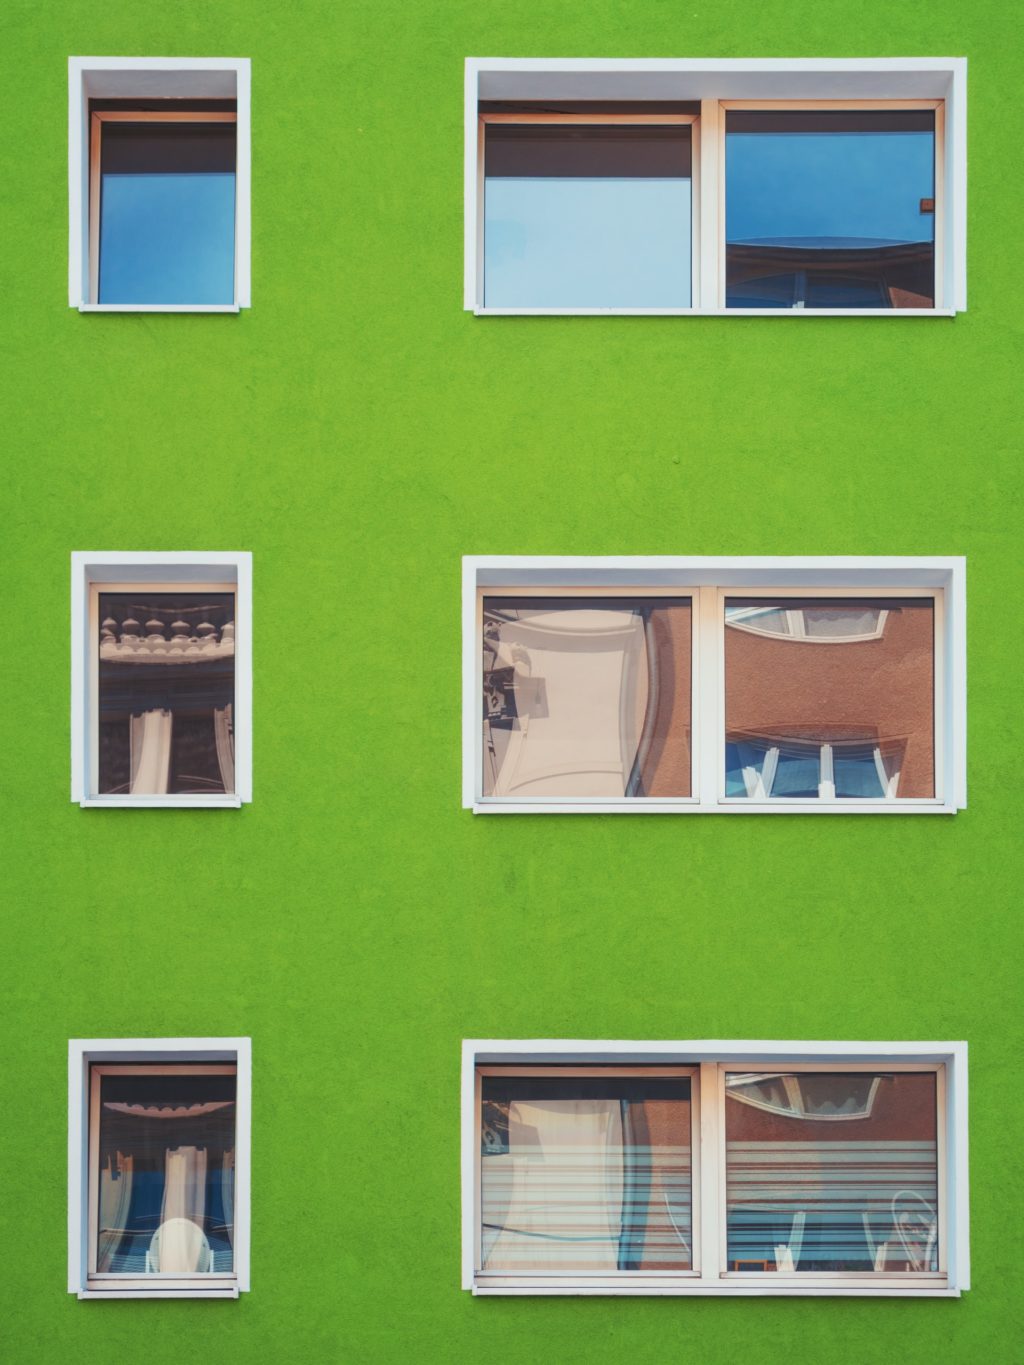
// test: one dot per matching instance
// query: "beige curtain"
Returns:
(150, 753)
(225, 746)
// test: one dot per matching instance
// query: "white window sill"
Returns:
(723, 1289)
(159, 308)
(647, 806)
(229, 1293)
(719, 312)
(227, 801)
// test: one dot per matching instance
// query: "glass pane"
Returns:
(846, 1181)
(587, 217)
(830, 209)
(166, 692)
(858, 675)
(166, 1171)
(167, 215)
(586, 697)
(585, 1174)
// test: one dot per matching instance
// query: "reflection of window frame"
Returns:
(88, 1060)
(527, 118)
(180, 572)
(97, 119)
(145, 79)
(760, 784)
(796, 1108)
(717, 86)
(839, 106)
(746, 619)
(709, 583)
(710, 1064)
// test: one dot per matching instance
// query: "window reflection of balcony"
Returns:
(829, 272)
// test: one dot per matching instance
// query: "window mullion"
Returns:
(711, 240)
(712, 1118)
(708, 701)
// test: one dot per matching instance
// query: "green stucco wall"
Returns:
(358, 432)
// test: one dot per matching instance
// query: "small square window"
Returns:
(161, 680)
(159, 184)
(691, 685)
(159, 1176)
(714, 1168)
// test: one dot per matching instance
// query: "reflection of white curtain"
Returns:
(184, 1200)
(150, 753)
(115, 1199)
(554, 1202)
(227, 1193)
(225, 746)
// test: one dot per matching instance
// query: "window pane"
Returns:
(830, 209)
(585, 1174)
(847, 1180)
(587, 217)
(854, 674)
(167, 214)
(166, 692)
(166, 1171)
(586, 697)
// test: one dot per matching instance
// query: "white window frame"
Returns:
(711, 1060)
(83, 1054)
(720, 84)
(708, 580)
(156, 571)
(149, 78)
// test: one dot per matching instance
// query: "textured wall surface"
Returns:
(358, 432)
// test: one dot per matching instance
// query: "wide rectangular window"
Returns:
(162, 204)
(720, 1168)
(693, 685)
(159, 184)
(773, 186)
(158, 1167)
(588, 210)
(161, 679)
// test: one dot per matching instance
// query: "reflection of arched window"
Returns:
(836, 1095)
(759, 768)
(832, 623)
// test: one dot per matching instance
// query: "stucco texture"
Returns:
(358, 432)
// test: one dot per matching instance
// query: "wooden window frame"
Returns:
(97, 119)
(708, 582)
(709, 1063)
(88, 1060)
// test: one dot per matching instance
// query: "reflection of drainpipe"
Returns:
(634, 787)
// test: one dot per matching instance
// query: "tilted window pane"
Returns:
(832, 1172)
(166, 693)
(830, 209)
(586, 697)
(585, 1174)
(587, 216)
(830, 698)
(166, 1171)
(167, 213)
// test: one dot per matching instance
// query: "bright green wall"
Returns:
(358, 432)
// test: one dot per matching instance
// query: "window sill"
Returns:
(640, 806)
(228, 1293)
(719, 312)
(159, 308)
(220, 800)
(682, 1288)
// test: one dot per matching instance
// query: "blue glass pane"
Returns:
(168, 238)
(576, 242)
(856, 773)
(843, 200)
(797, 774)
(737, 757)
